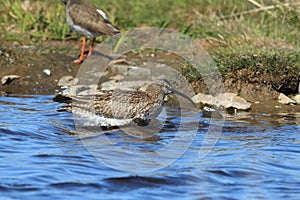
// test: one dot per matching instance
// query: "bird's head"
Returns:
(65, 1)
(164, 86)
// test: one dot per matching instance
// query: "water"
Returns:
(43, 156)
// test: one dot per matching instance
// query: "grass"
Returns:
(263, 31)
(280, 69)
(40, 21)
(234, 21)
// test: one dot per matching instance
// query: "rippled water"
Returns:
(45, 156)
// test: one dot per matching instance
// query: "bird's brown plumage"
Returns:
(87, 16)
(137, 106)
(84, 18)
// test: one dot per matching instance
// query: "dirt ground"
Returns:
(39, 69)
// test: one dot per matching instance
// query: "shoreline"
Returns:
(37, 70)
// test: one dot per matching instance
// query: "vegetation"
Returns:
(262, 35)
(233, 21)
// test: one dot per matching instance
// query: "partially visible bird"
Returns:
(89, 21)
(118, 108)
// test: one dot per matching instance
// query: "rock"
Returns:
(118, 61)
(138, 73)
(117, 77)
(283, 99)
(120, 69)
(97, 75)
(8, 79)
(211, 113)
(231, 100)
(297, 98)
(203, 99)
(67, 81)
(47, 72)
(226, 100)
(132, 72)
(2, 93)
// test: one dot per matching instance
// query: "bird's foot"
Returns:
(78, 61)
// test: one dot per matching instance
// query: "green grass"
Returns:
(236, 22)
(263, 39)
(39, 22)
(280, 69)
(224, 20)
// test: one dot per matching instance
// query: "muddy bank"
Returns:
(38, 69)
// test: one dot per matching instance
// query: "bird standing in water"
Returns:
(89, 21)
(118, 108)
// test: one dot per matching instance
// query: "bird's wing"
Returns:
(91, 19)
(110, 104)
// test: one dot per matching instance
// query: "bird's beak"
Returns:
(184, 96)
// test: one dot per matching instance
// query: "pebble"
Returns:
(8, 79)
(283, 99)
(117, 77)
(297, 98)
(67, 81)
(211, 113)
(47, 72)
(120, 69)
(2, 93)
(138, 73)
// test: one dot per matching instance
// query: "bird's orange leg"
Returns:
(82, 56)
(92, 47)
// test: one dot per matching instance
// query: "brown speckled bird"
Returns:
(117, 108)
(89, 21)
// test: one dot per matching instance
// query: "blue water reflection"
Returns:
(42, 157)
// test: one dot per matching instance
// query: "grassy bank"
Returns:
(236, 22)
(262, 36)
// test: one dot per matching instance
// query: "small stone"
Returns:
(160, 65)
(231, 100)
(226, 100)
(120, 69)
(117, 77)
(99, 74)
(283, 99)
(2, 93)
(211, 113)
(118, 61)
(138, 72)
(297, 98)
(109, 85)
(47, 72)
(67, 81)
(203, 99)
(8, 79)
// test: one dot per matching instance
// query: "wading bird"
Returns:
(89, 21)
(118, 108)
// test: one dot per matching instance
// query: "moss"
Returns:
(280, 69)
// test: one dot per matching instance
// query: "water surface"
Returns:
(44, 156)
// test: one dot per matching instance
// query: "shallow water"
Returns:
(45, 155)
